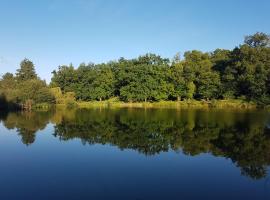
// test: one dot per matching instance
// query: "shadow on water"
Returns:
(6, 105)
(243, 137)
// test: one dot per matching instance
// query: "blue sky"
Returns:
(55, 32)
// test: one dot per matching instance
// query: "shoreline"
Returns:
(230, 104)
(185, 104)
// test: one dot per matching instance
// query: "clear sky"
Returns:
(55, 32)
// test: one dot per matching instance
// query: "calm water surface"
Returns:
(135, 154)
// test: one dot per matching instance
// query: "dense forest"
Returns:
(242, 73)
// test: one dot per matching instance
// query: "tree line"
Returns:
(241, 73)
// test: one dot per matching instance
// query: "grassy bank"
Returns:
(234, 104)
(111, 103)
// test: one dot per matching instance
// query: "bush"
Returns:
(44, 96)
(71, 104)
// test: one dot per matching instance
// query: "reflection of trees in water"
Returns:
(248, 147)
(138, 132)
(242, 137)
(27, 124)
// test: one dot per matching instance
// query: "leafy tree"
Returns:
(83, 87)
(151, 59)
(7, 82)
(220, 59)
(258, 40)
(9, 91)
(25, 89)
(65, 78)
(199, 70)
(246, 73)
(7, 76)
(34, 91)
(44, 95)
(145, 78)
(26, 71)
(191, 88)
(136, 85)
(103, 85)
(208, 85)
(176, 76)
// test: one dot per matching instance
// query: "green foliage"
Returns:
(44, 95)
(208, 85)
(9, 88)
(68, 99)
(258, 40)
(103, 85)
(241, 73)
(56, 92)
(191, 88)
(220, 59)
(65, 78)
(144, 82)
(247, 72)
(25, 90)
(26, 71)
(178, 81)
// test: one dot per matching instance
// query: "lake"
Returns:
(135, 154)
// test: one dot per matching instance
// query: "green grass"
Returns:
(42, 106)
(234, 104)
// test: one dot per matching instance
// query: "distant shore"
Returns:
(233, 104)
(185, 104)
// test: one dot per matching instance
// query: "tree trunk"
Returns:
(100, 99)
(178, 98)
(145, 99)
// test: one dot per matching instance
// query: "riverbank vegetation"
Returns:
(236, 78)
(187, 103)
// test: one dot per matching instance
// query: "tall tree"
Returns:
(199, 69)
(65, 78)
(26, 71)
(176, 77)
(246, 74)
(103, 85)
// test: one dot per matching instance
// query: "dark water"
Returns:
(135, 154)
